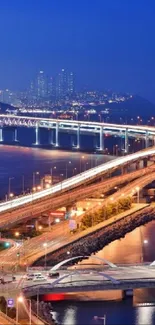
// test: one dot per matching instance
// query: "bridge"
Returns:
(55, 126)
(95, 279)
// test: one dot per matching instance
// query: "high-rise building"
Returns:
(50, 87)
(64, 83)
(32, 90)
(41, 85)
(61, 84)
(71, 86)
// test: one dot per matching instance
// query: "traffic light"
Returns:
(6, 244)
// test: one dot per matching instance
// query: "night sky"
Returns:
(107, 43)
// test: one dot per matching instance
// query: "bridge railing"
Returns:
(8, 319)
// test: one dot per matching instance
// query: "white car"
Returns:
(39, 278)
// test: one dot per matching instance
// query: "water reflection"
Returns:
(145, 315)
(127, 250)
(130, 249)
(18, 161)
(70, 316)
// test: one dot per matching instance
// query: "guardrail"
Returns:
(90, 285)
(10, 320)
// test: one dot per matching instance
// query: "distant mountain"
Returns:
(5, 107)
(134, 106)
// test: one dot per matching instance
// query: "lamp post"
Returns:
(67, 168)
(74, 171)
(138, 196)
(144, 242)
(45, 246)
(83, 157)
(51, 171)
(34, 178)
(9, 186)
(103, 318)
(20, 299)
(23, 184)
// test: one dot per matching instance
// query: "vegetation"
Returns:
(106, 212)
(11, 312)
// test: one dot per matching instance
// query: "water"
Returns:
(17, 161)
(129, 249)
(117, 313)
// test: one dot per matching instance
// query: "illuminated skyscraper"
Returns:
(41, 85)
(61, 84)
(50, 87)
(64, 83)
(71, 86)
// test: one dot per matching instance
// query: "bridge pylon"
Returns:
(37, 135)
(1, 134)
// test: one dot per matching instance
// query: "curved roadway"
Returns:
(76, 180)
(38, 207)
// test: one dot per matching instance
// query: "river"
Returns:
(129, 249)
(17, 161)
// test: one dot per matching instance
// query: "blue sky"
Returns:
(108, 43)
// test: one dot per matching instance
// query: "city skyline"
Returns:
(107, 45)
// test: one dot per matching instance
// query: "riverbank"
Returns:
(76, 244)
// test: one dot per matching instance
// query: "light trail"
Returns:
(75, 180)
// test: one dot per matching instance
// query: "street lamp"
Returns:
(9, 185)
(101, 318)
(81, 158)
(67, 168)
(20, 299)
(23, 184)
(34, 178)
(51, 170)
(17, 233)
(74, 170)
(45, 246)
(47, 185)
(138, 190)
(87, 163)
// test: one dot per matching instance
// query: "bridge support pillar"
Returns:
(145, 161)
(37, 135)
(78, 136)
(101, 139)
(57, 135)
(124, 170)
(15, 135)
(1, 135)
(36, 224)
(146, 139)
(51, 137)
(126, 141)
(137, 165)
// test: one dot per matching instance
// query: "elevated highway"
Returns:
(60, 234)
(75, 181)
(15, 216)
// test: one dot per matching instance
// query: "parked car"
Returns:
(54, 274)
(39, 278)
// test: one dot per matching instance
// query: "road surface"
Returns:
(77, 180)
